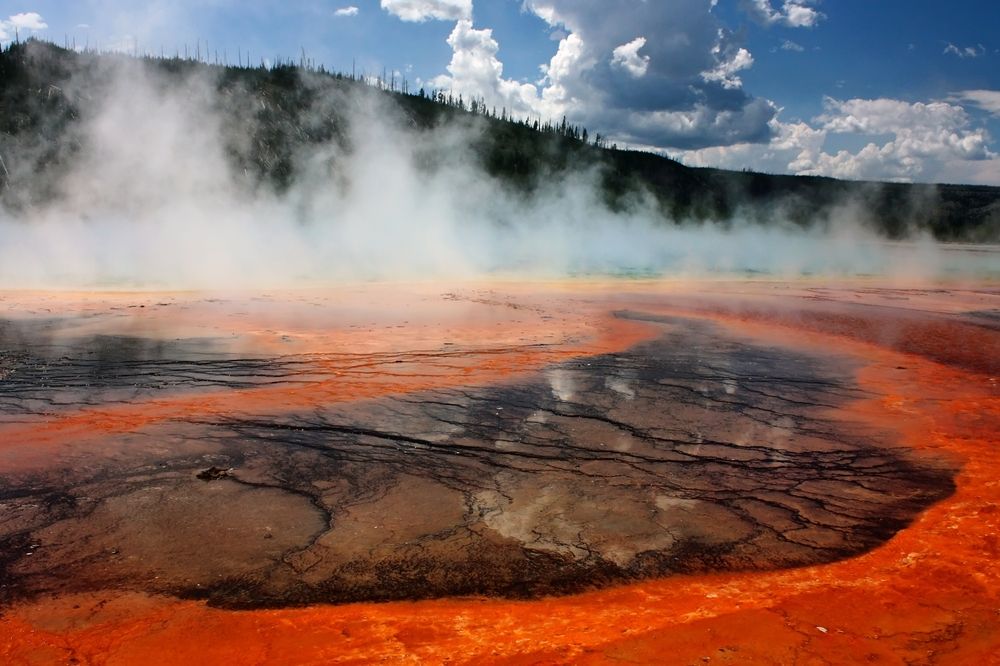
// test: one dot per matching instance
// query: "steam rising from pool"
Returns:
(152, 200)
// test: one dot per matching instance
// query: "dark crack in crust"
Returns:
(692, 453)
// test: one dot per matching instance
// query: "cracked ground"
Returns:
(575, 472)
(691, 451)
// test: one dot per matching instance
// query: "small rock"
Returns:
(823, 629)
(214, 473)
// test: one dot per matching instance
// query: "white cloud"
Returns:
(933, 141)
(987, 100)
(965, 51)
(798, 15)
(627, 57)
(919, 128)
(610, 74)
(28, 21)
(666, 76)
(793, 13)
(725, 71)
(571, 57)
(475, 71)
(794, 145)
(922, 137)
(23, 24)
(346, 11)
(789, 45)
(425, 10)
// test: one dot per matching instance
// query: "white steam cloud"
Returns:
(153, 200)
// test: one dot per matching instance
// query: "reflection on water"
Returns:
(562, 384)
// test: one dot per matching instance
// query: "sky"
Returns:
(905, 90)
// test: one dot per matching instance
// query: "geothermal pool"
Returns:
(581, 470)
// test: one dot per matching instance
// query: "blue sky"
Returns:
(874, 89)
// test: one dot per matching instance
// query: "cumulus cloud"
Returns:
(23, 24)
(424, 10)
(475, 71)
(725, 71)
(789, 45)
(792, 13)
(922, 128)
(689, 94)
(965, 51)
(28, 21)
(919, 132)
(627, 57)
(643, 73)
(932, 141)
(346, 11)
(792, 143)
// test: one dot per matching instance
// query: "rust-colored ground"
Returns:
(492, 338)
(929, 595)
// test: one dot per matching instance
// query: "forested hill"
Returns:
(272, 113)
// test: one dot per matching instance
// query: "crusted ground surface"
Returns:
(691, 452)
(745, 472)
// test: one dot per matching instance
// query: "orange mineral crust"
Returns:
(930, 594)
(352, 344)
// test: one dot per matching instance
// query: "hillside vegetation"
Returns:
(270, 114)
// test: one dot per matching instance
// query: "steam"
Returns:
(152, 199)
